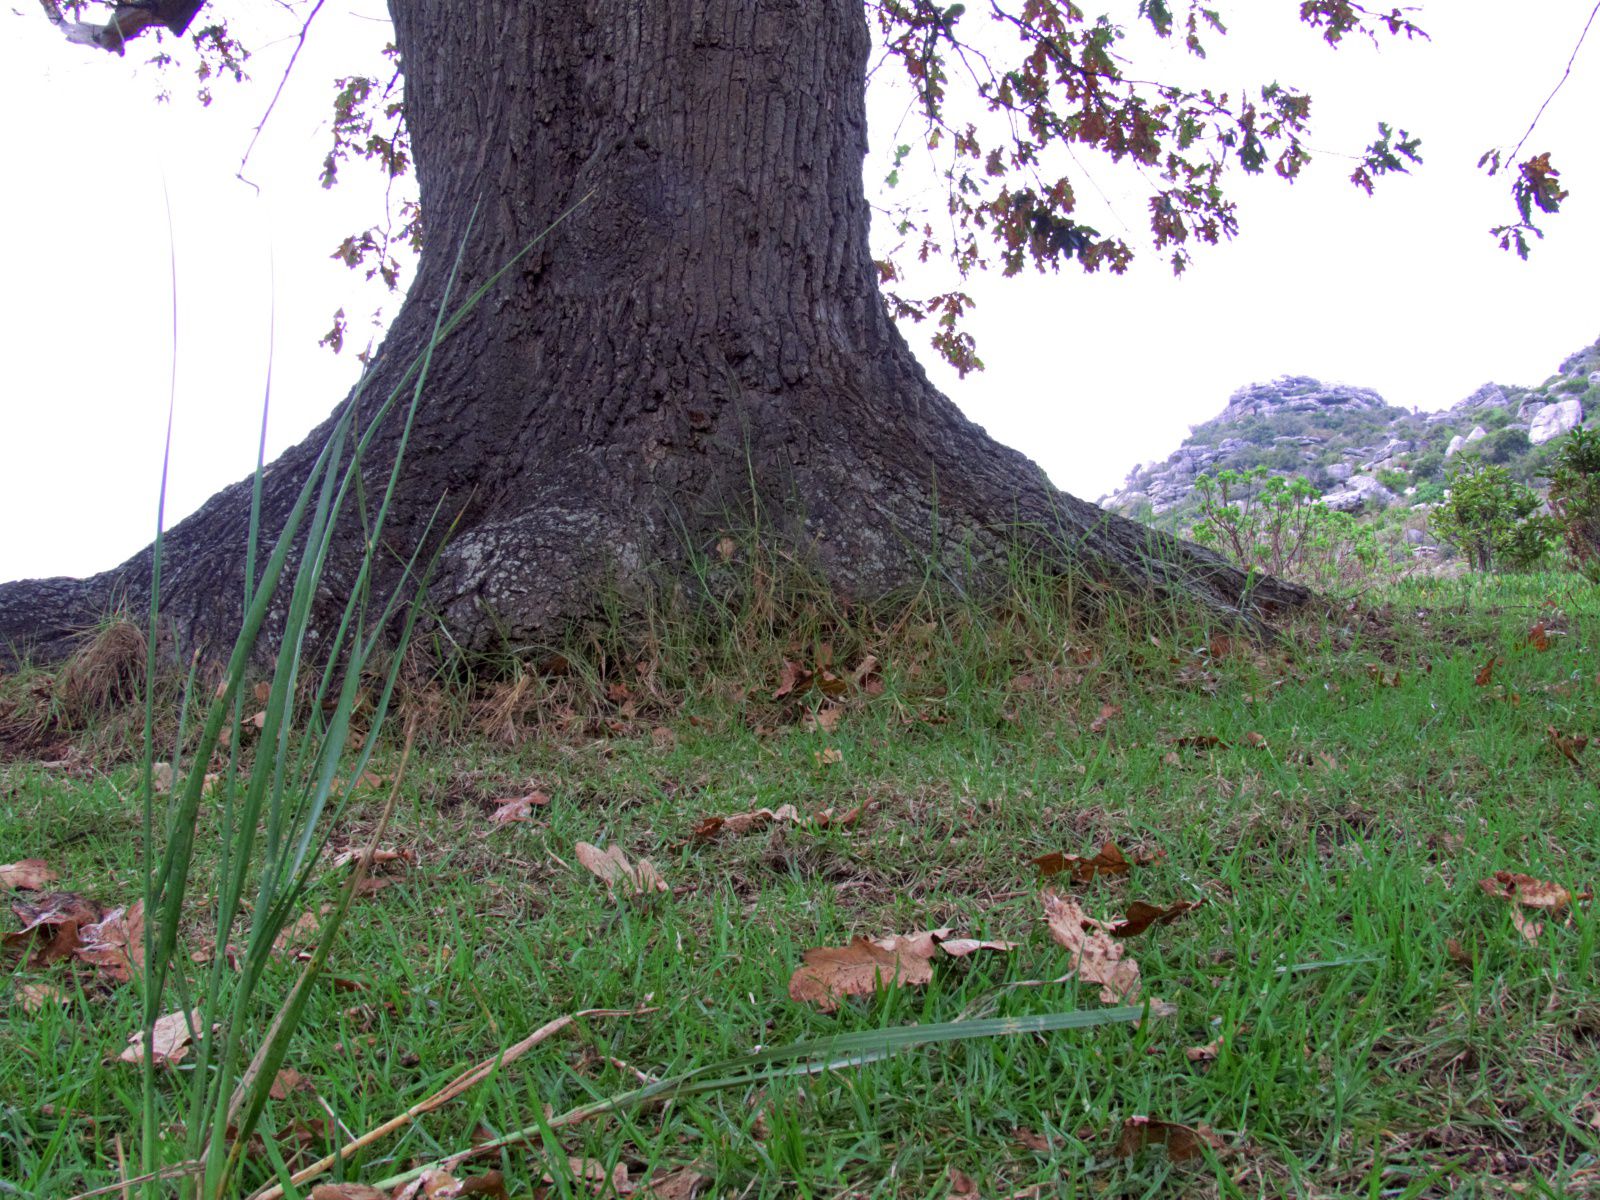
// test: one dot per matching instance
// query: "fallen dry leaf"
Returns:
(1458, 953)
(612, 867)
(1029, 1140)
(1140, 916)
(828, 819)
(1200, 743)
(31, 874)
(1255, 741)
(868, 964)
(685, 1183)
(517, 808)
(1107, 713)
(303, 931)
(347, 1191)
(1206, 1053)
(824, 719)
(51, 925)
(382, 857)
(1181, 1141)
(739, 823)
(1486, 672)
(828, 757)
(593, 1172)
(1524, 891)
(1570, 747)
(172, 1037)
(962, 1185)
(1538, 637)
(115, 943)
(35, 997)
(287, 1081)
(1096, 956)
(1528, 891)
(1110, 861)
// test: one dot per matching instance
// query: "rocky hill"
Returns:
(1359, 450)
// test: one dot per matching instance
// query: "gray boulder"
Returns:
(1358, 492)
(1339, 472)
(1478, 433)
(1455, 444)
(1554, 420)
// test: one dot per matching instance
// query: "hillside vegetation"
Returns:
(1361, 454)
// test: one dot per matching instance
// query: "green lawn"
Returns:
(1381, 1026)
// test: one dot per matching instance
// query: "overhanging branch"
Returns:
(128, 21)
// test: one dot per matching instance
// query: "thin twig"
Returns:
(1560, 83)
(444, 1095)
(282, 83)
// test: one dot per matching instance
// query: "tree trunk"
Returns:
(699, 347)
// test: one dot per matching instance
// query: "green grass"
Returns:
(1354, 839)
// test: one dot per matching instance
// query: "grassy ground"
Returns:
(1381, 1027)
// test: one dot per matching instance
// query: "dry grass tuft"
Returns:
(104, 673)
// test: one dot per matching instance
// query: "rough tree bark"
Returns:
(701, 342)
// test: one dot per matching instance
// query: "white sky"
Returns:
(1089, 374)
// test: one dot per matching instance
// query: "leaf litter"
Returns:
(868, 965)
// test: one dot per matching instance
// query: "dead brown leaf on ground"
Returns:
(30, 875)
(1108, 713)
(592, 1173)
(347, 1191)
(1140, 916)
(1458, 953)
(51, 925)
(1206, 1053)
(1524, 891)
(1109, 861)
(1181, 1141)
(1255, 741)
(740, 823)
(286, 1082)
(1528, 891)
(115, 944)
(171, 1040)
(684, 1183)
(517, 808)
(1485, 673)
(36, 997)
(385, 857)
(962, 1185)
(612, 867)
(441, 1185)
(1539, 637)
(1568, 747)
(868, 964)
(304, 930)
(1095, 956)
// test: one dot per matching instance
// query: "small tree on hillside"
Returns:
(1575, 499)
(1490, 518)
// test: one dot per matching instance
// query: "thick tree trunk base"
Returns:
(697, 349)
(868, 475)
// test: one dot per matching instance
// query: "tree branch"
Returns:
(128, 21)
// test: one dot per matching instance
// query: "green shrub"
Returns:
(1496, 418)
(1395, 481)
(1575, 499)
(1428, 465)
(1490, 518)
(1271, 523)
(1430, 491)
(1504, 445)
(1572, 384)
